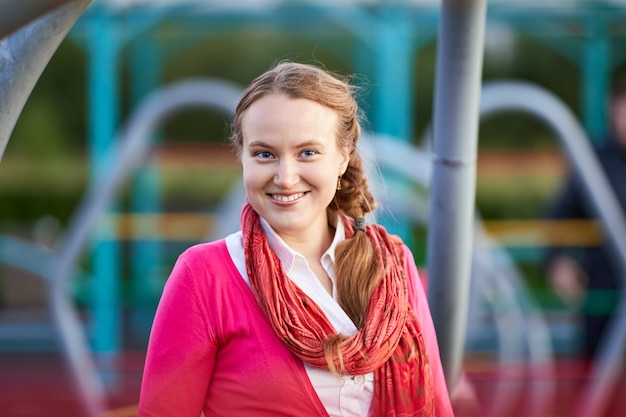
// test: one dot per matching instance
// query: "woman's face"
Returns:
(291, 162)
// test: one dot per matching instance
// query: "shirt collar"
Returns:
(340, 236)
(286, 255)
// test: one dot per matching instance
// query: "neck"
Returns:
(311, 244)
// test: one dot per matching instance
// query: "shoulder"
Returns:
(406, 260)
(205, 253)
(203, 266)
(205, 248)
(402, 251)
(416, 286)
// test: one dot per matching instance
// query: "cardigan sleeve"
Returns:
(181, 351)
(419, 302)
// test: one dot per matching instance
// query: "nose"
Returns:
(286, 175)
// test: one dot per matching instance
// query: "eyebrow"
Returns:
(258, 143)
(262, 144)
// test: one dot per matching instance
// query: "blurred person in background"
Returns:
(307, 310)
(587, 277)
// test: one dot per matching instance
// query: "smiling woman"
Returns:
(291, 165)
(306, 310)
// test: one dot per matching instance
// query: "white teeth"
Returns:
(287, 198)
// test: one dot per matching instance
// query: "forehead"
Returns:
(270, 102)
(277, 113)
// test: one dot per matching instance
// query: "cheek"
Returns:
(314, 174)
(251, 175)
(327, 179)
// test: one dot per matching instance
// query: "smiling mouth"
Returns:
(287, 198)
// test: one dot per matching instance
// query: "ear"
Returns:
(345, 159)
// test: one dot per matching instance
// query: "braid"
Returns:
(355, 199)
(356, 264)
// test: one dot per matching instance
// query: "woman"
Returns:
(307, 311)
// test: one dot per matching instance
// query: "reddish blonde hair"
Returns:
(356, 266)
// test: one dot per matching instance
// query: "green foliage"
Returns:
(53, 121)
(47, 186)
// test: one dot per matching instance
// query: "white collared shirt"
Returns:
(348, 396)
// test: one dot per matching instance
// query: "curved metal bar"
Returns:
(20, 253)
(521, 327)
(17, 13)
(228, 212)
(127, 151)
(130, 146)
(518, 96)
(24, 55)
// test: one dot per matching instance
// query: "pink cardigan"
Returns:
(212, 349)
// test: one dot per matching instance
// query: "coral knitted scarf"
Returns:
(390, 344)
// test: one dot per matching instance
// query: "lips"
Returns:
(287, 198)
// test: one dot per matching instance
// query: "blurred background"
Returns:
(120, 52)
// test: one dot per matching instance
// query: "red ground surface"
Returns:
(39, 384)
(36, 384)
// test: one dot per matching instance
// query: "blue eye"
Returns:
(263, 155)
(308, 153)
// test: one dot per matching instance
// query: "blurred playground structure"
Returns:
(509, 347)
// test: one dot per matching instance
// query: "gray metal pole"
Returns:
(455, 136)
(25, 53)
